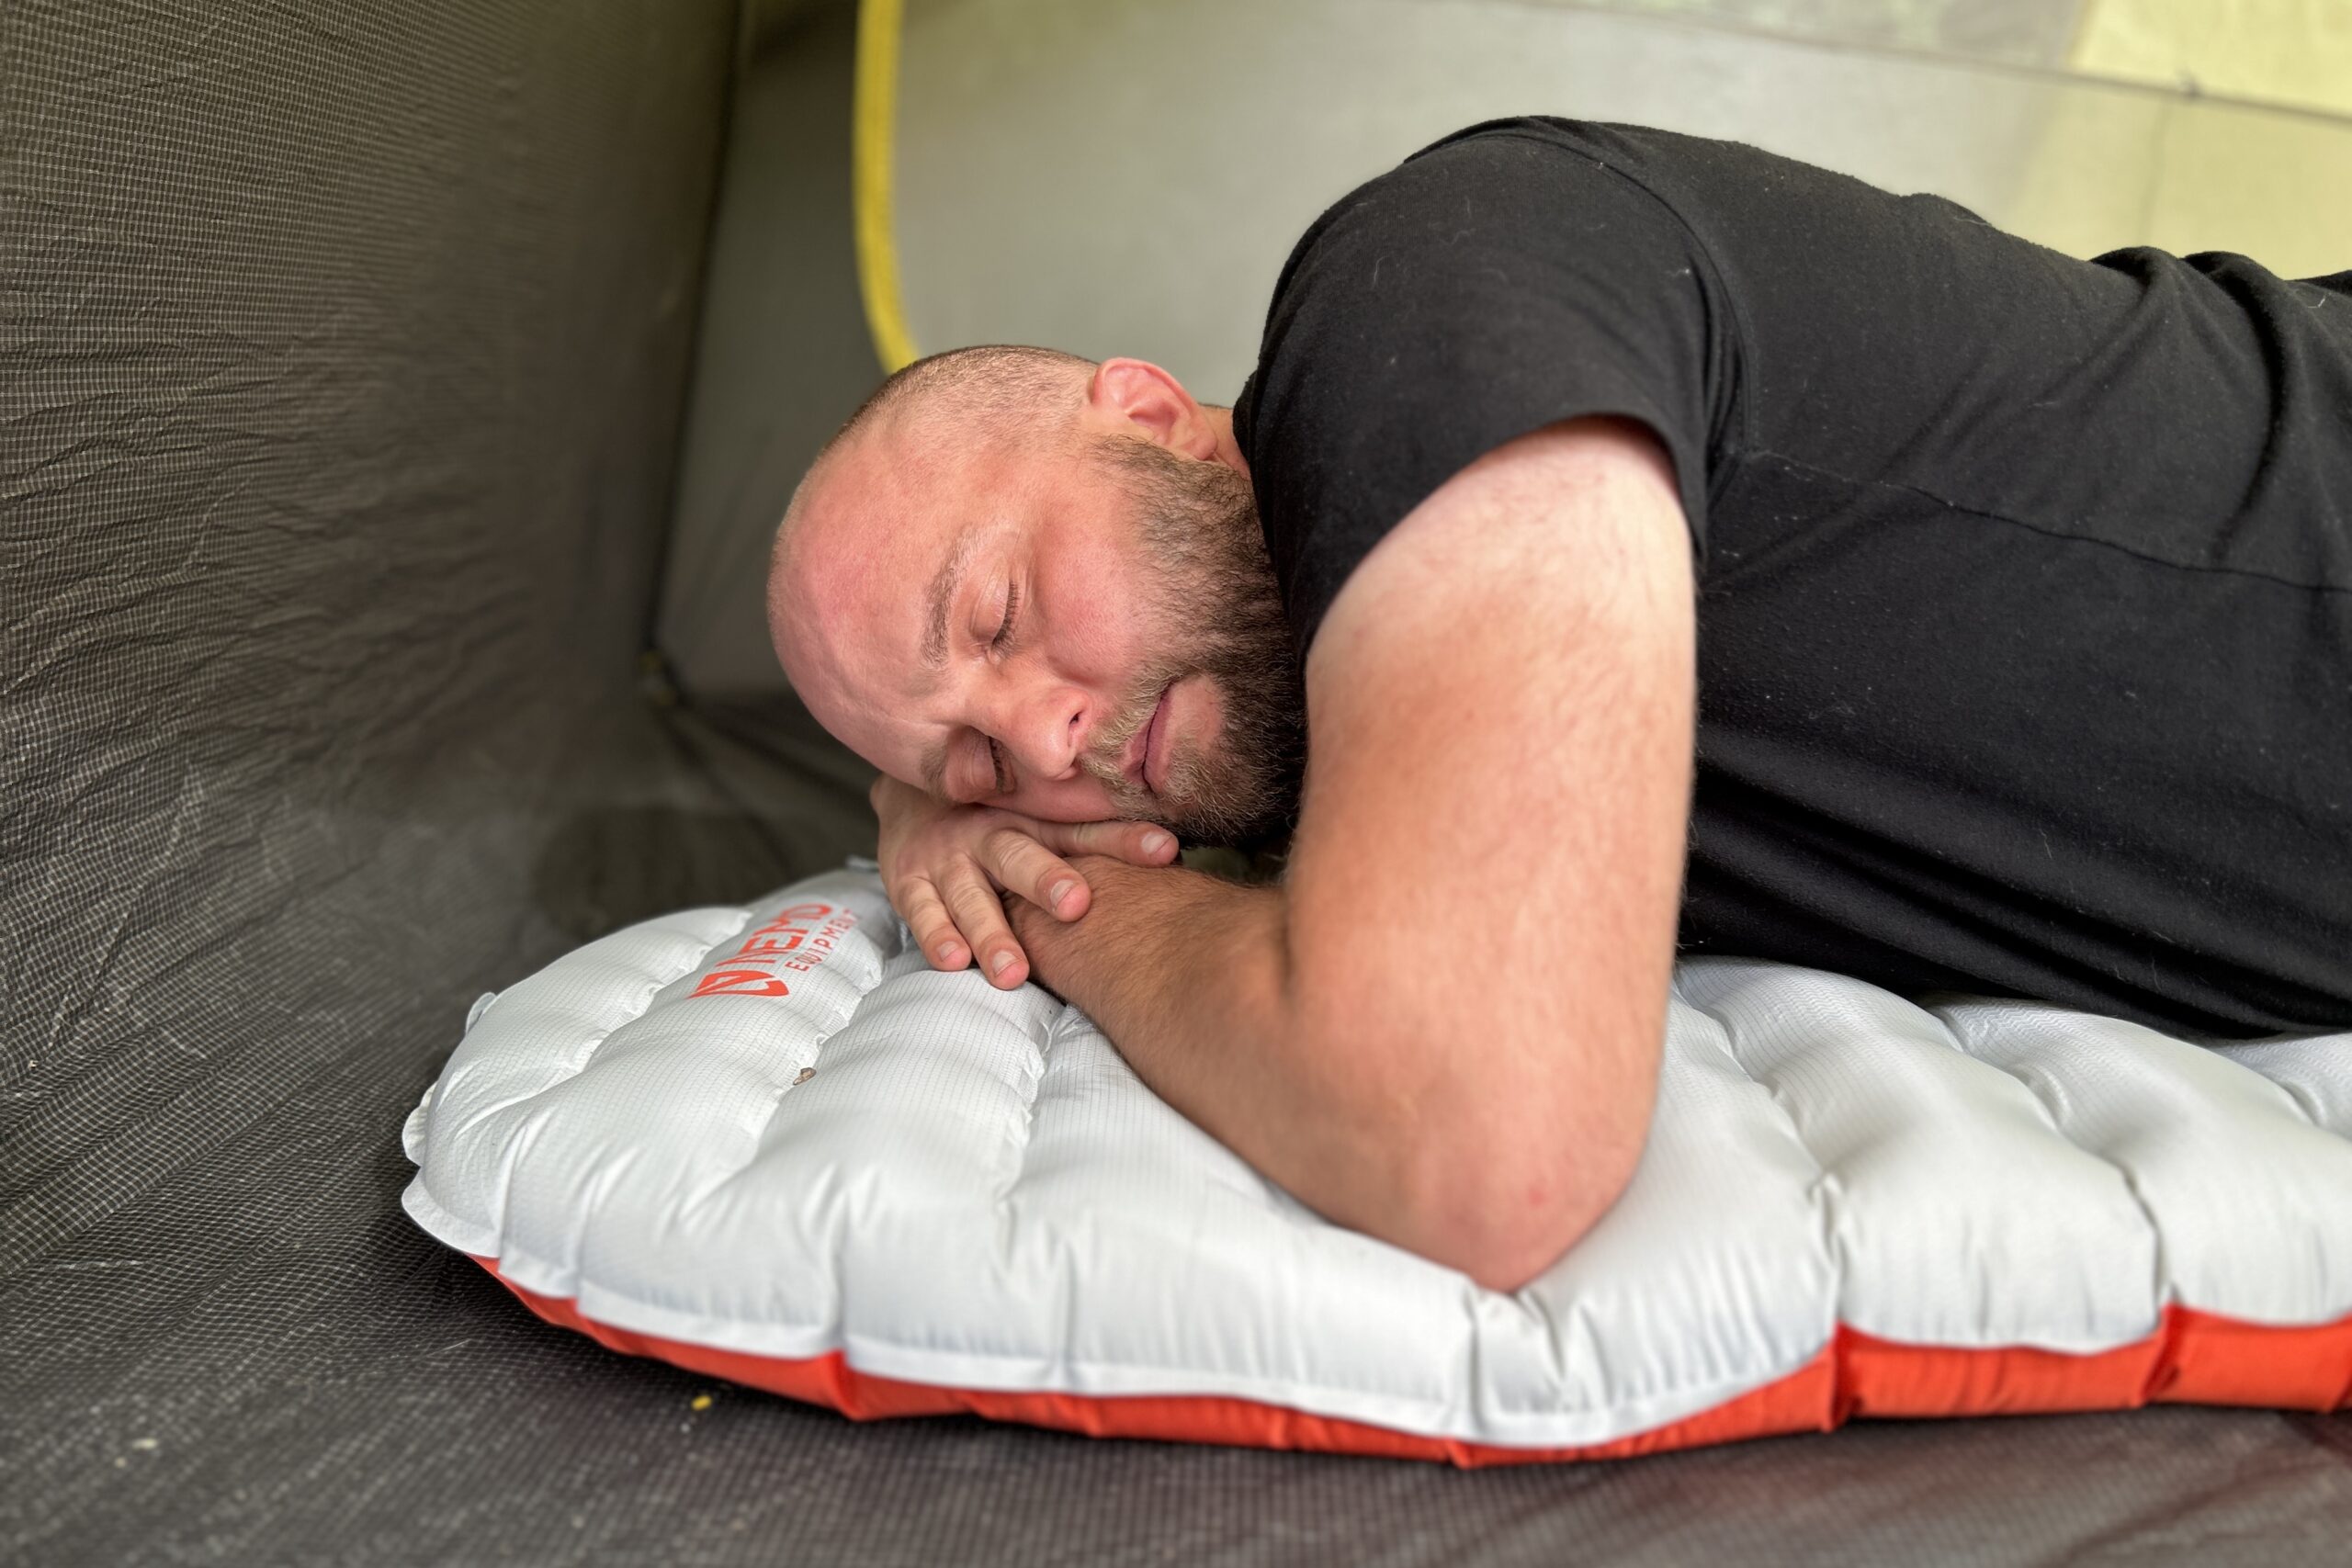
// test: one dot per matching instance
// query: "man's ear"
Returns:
(1139, 394)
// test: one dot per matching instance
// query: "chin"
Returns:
(1249, 816)
(1250, 836)
(1234, 794)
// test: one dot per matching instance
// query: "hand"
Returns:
(943, 866)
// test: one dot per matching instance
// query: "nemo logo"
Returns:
(743, 983)
(792, 940)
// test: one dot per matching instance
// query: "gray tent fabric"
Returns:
(346, 358)
(782, 357)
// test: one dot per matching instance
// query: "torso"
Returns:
(2025, 622)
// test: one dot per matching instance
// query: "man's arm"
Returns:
(1442, 1028)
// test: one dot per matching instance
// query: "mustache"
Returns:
(1118, 735)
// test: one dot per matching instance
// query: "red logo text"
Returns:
(794, 940)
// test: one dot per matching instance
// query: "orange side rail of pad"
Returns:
(2220, 1361)
(2195, 1358)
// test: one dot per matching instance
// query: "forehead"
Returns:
(888, 526)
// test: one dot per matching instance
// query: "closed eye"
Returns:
(1004, 638)
(1002, 641)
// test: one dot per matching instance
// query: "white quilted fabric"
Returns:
(959, 1186)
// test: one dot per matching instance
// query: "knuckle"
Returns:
(1005, 842)
(976, 903)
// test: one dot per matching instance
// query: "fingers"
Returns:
(943, 870)
(1140, 844)
(934, 932)
(979, 916)
(1024, 867)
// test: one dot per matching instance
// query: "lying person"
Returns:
(1625, 540)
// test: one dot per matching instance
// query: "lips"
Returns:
(1155, 745)
(1137, 759)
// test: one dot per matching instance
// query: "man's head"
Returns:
(987, 582)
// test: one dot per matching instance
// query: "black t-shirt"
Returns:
(2025, 582)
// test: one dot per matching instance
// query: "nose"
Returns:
(1040, 729)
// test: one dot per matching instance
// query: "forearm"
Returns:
(1187, 975)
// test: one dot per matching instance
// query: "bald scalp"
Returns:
(1004, 389)
(998, 394)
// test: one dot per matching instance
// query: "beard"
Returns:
(1217, 612)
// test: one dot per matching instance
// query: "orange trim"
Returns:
(2219, 1360)
(1885, 1377)
(2194, 1358)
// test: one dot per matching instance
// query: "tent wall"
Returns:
(342, 353)
(1236, 123)
(337, 461)
(784, 356)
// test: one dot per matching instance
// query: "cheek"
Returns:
(1102, 614)
(852, 726)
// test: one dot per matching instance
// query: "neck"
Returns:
(1228, 451)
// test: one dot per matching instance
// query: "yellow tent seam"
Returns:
(874, 108)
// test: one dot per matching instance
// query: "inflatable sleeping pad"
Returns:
(771, 1143)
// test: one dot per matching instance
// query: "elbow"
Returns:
(1505, 1219)
(1495, 1168)
(1510, 1258)
(1511, 1262)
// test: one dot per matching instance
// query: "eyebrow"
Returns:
(943, 583)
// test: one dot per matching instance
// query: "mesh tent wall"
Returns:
(348, 355)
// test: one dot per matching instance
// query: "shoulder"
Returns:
(1477, 234)
(1536, 171)
(1485, 548)
(1515, 274)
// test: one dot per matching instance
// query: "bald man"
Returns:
(1624, 540)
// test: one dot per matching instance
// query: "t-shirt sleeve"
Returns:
(1485, 289)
